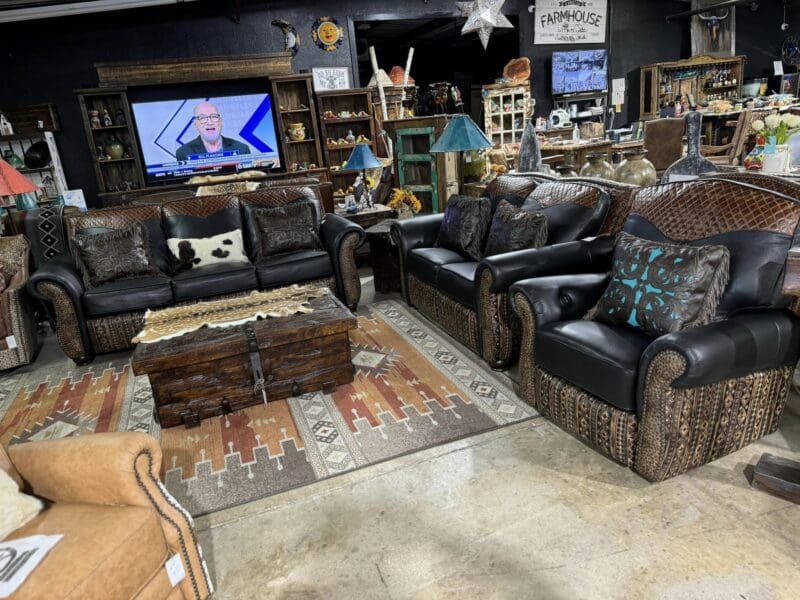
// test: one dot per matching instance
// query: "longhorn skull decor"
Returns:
(713, 24)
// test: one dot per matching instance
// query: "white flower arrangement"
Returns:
(781, 127)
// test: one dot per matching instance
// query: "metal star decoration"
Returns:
(483, 16)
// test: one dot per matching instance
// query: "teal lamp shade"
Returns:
(460, 135)
(362, 158)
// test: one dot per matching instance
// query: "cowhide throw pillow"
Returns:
(514, 229)
(663, 288)
(464, 226)
(200, 252)
(115, 254)
(287, 228)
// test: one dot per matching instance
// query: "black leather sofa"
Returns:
(106, 318)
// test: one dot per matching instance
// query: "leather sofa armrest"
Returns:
(582, 256)
(341, 237)
(114, 469)
(561, 297)
(419, 232)
(748, 342)
(59, 283)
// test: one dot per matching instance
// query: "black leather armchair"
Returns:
(667, 404)
(469, 298)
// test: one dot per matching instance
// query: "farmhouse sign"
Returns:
(570, 21)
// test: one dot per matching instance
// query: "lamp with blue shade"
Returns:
(361, 159)
(460, 135)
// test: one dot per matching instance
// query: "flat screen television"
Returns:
(578, 71)
(201, 136)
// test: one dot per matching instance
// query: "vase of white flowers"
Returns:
(777, 129)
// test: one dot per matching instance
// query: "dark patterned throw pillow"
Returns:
(464, 226)
(662, 288)
(515, 229)
(116, 254)
(286, 228)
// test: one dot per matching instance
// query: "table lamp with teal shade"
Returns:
(361, 159)
(14, 184)
(460, 135)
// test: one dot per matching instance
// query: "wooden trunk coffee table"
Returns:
(213, 371)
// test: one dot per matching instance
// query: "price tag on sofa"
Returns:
(175, 570)
(11, 342)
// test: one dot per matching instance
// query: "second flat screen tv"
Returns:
(579, 71)
(196, 136)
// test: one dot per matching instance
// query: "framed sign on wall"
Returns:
(570, 21)
(331, 78)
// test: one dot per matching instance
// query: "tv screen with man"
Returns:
(182, 138)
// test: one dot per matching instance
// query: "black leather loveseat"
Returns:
(105, 318)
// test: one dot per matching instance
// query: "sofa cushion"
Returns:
(106, 552)
(294, 267)
(464, 226)
(127, 295)
(515, 229)
(663, 288)
(190, 253)
(457, 280)
(423, 263)
(114, 254)
(601, 359)
(286, 229)
(214, 280)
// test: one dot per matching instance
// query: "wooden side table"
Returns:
(384, 257)
(367, 218)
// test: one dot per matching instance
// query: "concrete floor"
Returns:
(522, 512)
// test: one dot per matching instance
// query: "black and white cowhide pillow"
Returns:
(199, 252)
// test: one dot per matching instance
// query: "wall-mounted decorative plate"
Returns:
(327, 33)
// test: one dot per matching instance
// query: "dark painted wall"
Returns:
(45, 61)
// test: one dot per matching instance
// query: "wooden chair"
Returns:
(663, 140)
(730, 154)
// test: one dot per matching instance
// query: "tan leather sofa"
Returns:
(120, 525)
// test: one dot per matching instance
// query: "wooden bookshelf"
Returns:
(506, 109)
(113, 175)
(294, 102)
(354, 101)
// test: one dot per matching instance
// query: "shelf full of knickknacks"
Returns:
(299, 133)
(112, 140)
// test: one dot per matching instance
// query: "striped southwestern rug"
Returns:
(412, 390)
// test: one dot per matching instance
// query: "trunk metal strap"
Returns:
(255, 362)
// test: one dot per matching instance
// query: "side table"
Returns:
(384, 257)
(367, 218)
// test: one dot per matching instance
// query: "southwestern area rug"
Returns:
(412, 390)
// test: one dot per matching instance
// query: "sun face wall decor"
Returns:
(327, 33)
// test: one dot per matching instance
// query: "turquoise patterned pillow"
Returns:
(662, 288)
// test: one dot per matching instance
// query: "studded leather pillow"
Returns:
(515, 229)
(115, 254)
(286, 228)
(663, 288)
(464, 226)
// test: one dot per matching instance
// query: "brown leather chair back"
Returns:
(663, 140)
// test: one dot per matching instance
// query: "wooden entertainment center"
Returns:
(121, 179)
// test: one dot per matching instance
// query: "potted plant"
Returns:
(777, 129)
(404, 202)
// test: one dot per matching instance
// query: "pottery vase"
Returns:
(404, 212)
(597, 166)
(297, 132)
(693, 164)
(94, 119)
(780, 161)
(755, 158)
(636, 169)
(114, 148)
(566, 171)
(530, 152)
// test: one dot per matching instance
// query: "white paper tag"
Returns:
(19, 557)
(175, 571)
(11, 342)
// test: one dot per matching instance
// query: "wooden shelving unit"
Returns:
(113, 175)
(695, 77)
(506, 109)
(354, 101)
(294, 102)
(50, 178)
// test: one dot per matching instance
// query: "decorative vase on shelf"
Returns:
(297, 132)
(404, 212)
(597, 166)
(693, 164)
(114, 148)
(755, 158)
(530, 152)
(94, 119)
(636, 169)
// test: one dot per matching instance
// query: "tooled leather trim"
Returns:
(347, 263)
(494, 324)
(165, 517)
(527, 319)
(68, 329)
